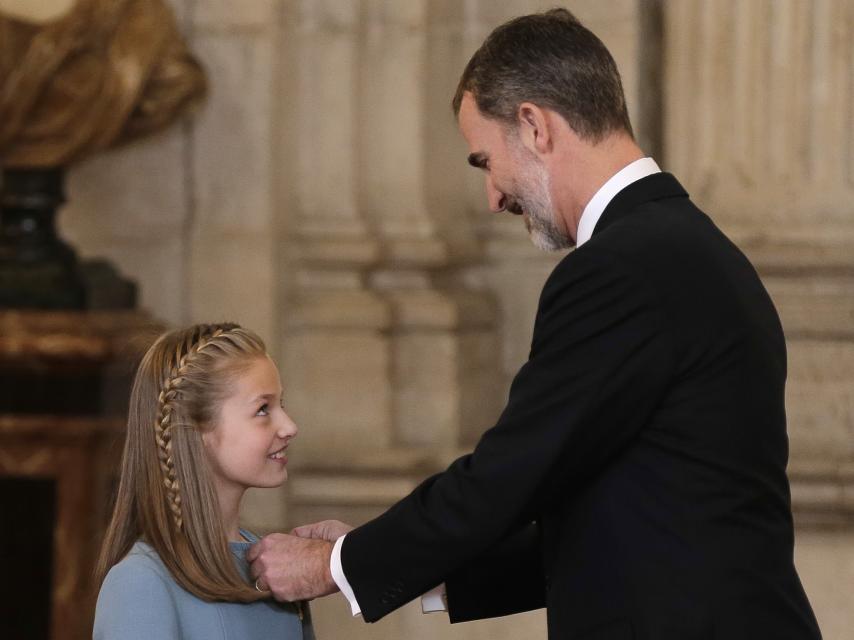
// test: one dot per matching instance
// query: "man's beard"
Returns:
(532, 198)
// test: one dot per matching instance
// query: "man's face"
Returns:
(516, 180)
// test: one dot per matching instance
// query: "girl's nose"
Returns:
(287, 428)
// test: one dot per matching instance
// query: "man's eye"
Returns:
(264, 410)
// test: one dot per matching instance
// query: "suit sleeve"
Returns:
(506, 579)
(135, 604)
(600, 362)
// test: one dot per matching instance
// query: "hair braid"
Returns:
(167, 401)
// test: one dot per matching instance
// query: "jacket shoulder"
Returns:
(136, 599)
(140, 569)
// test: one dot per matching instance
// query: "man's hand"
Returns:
(329, 530)
(292, 568)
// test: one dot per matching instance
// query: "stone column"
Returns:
(335, 352)
(410, 189)
(393, 126)
(231, 255)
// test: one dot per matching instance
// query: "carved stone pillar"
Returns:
(392, 354)
(393, 125)
(437, 322)
(335, 353)
(231, 232)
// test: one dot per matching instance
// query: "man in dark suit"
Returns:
(635, 483)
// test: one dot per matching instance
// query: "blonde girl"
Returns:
(206, 422)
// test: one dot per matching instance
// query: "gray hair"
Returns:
(552, 60)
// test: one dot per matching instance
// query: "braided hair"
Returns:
(166, 400)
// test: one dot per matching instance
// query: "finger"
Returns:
(304, 531)
(315, 529)
(255, 570)
(254, 551)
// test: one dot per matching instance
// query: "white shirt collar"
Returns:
(619, 181)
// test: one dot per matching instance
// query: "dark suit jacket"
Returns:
(645, 438)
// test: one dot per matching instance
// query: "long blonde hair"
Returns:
(166, 494)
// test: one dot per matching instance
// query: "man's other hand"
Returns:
(329, 530)
(292, 568)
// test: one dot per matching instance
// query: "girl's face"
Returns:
(247, 448)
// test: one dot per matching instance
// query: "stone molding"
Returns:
(822, 494)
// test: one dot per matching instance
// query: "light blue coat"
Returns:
(140, 600)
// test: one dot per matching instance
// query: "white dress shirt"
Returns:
(434, 600)
(602, 198)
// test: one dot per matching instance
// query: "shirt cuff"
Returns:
(340, 579)
(435, 600)
(432, 601)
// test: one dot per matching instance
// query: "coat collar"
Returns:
(657, 186)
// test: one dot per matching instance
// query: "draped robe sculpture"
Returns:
(102, 74)
(77, 77)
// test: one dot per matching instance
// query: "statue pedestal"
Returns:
(37, 269)
(64, 385)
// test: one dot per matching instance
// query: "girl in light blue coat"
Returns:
(206, 422)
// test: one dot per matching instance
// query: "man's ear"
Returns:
(534, 128)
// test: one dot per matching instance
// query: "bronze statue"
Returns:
(100, 74)
(76, 77)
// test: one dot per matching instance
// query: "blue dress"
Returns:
(140, 600)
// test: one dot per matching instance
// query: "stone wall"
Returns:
(322, 197)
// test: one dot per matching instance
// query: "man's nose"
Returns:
(497, 200)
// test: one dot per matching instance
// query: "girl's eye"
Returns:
(264, 410)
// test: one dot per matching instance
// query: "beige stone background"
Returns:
(321, 196)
